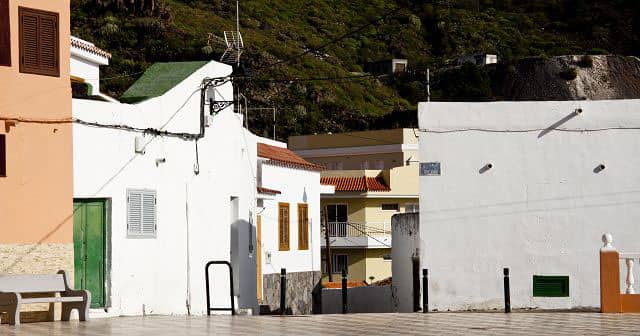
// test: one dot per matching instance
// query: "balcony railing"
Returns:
(350, 229)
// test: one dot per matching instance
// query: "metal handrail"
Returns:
(206, 274)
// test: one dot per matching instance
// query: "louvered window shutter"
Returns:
(141, 213)
(39, 42)
(5, 34)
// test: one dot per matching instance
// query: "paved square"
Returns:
(353, 324)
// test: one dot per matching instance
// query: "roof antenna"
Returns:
(234, 42)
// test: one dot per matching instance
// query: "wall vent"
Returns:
(550, 286)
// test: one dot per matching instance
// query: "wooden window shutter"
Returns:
(3, 155)
(303, 227)
(283, 226)
(141, 213)
(5, 34)
(39, 42)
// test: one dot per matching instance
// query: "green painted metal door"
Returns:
(89, 247)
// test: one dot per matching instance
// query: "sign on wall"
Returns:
(429, 168)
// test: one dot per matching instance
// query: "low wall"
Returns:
(368, 299)
(300, 286)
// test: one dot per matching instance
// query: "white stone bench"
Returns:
(16, 290)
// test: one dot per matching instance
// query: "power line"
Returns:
(337, 39)
(312, 79)
(576, 130)
(368, 235)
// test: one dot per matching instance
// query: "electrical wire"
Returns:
(368, 235)
(488, 130)
(335, 40)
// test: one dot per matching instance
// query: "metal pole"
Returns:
(507, 294)
(428, 85)
(327, 244)
(274, 123)
(344, 290)
(206, 278)
(283, 290)
(425, 290)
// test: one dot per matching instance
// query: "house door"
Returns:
(89, 248)
(259, 257)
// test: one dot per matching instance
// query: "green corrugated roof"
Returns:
(158, 79)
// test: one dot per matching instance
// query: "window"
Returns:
(303, 227)
(340, 262)
(411, 207)
(283, 226)
(141, 214)
(364, 165)
(379, 164)
(338, 165)
(39, 42)
(5, 34)
(337, 219)
(3, 155)
(386, 257)
(391, 207)
(550, 286)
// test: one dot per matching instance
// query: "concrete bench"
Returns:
(16, 290)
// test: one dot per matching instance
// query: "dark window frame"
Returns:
(390, 206)
(40, 15)
(3, 155)
(5, 33)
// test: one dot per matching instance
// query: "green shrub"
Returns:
(586, 62)
(568, 74)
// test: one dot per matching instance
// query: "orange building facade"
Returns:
(36, 148)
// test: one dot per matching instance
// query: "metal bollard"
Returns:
(283, 290)
(507, 294)
(425, 290)
(344, 291)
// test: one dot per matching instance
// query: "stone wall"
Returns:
(300, 286)
(36, 259)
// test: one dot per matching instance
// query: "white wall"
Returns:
(540, 210)
(406, 237)
(194, 216)
(297, 186)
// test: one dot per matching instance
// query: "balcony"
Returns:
(352, 235)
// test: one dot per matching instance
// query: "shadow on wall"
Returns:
(66, 220)
(243, 261)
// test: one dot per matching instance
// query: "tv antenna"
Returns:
(233, 40)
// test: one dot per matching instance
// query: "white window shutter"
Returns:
(141, 213)
(149, 214)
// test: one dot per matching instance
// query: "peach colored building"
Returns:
(36, 182)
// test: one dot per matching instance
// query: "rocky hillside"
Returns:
(567, 78)
(310, 90)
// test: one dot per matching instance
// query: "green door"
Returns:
(89, 248)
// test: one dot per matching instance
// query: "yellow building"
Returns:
(375, 175)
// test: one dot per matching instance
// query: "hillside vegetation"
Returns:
(428, 33)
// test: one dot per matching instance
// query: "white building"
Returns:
(86, 60)
(477, 59)
(288, 222)
(530, 186)
(162, 187)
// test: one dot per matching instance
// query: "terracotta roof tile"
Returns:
(262, 190)
(356, 183)
(89, 47)
(284, 157)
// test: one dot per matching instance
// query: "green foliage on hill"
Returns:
(428, 33)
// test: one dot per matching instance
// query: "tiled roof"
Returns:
(356, 183)
(284, 157)
(262, 190)
(77, 43)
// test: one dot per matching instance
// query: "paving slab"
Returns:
(546, 324)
